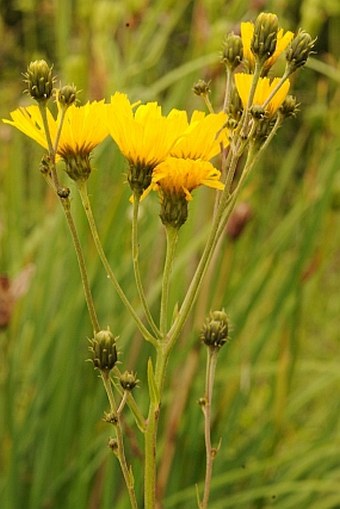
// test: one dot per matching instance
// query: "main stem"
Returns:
(150, 438)
(171, 242)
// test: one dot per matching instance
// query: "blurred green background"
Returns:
(276, 401)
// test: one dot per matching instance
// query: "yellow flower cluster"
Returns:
(145, 136)
(170, 153)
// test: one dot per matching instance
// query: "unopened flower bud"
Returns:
(232, 52)
(67, 95)
(40, 80)
(214, 332)
(128, 380)
(264, 39)
(299, 50)
(201, 87)
(289, 107)
(104, 351)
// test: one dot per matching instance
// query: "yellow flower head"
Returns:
(82, 130)
(247, 32)
(201, 137)
(83, 127)
(178, 176)
(263, 90)
(143, 134)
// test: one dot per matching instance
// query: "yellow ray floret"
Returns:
(178, 176)
(264, 88)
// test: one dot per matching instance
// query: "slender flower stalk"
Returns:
(214, 335)
(82, 188)
(171, 242)
(156, 380)
(135, 261)
(65, 202)
(206, 408)
(119, 442)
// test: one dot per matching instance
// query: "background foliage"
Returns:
(276, 403)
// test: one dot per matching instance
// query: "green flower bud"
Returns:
(67, 95)
(232, 52)
(128, 380)
(289, 107)
(40, 80)
(299, 50)
(264, 40)
(104, 351)
(201, 87)
(214, 332)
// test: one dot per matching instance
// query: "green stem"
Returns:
(256, 77)
(279, 85)
(120, 452)
(43, 109)
(150, 438)
(51, 150)
(82, 187)
(228, 88)
(199, 273)
(208, 103)
(135, 261)
(65, 202)
(210, 452)
(171, 242)
(60, 126)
